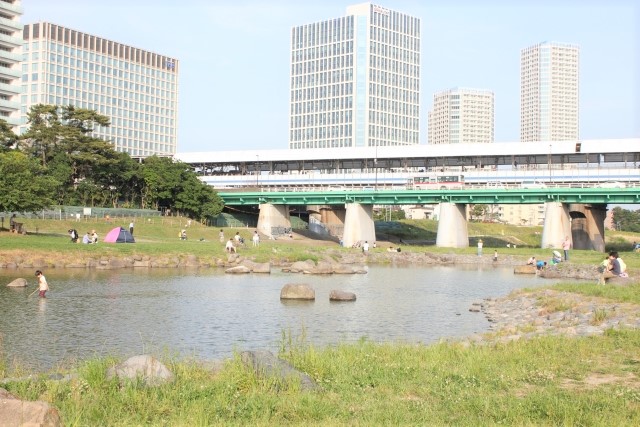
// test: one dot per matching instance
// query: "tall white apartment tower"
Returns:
(135, 88)
(461, 115)
(10, 57)
(355, 80)
(549, 92)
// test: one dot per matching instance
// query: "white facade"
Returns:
(136, 89)
(10, 57)
(549, 92)
(462, 115)
(355, 80)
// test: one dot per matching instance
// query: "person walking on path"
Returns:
(480, 247)
(566, 245)
(221, 236)
(131, 228)
(43, 286)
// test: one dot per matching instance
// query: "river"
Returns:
(208, 314)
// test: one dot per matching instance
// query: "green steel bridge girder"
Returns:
(425, 197)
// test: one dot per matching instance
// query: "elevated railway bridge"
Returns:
(340, 186)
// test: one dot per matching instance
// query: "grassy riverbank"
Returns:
(158, 236)
(545, 381)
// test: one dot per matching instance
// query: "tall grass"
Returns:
(545, 381)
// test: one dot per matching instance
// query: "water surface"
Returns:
(209, 314)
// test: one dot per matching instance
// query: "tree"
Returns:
(477, 211)
(626, 220)
(8, 138)
(25, 187)
(44, 132)
(174, 185)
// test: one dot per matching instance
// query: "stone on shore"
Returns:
(238, 269)
(337, 295)
(524, 269)
(257, 267)
(300, 266)
(297, 291)
(16, 412)
(18, 283)
(144, 367)
(264, 363)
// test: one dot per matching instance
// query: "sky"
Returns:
(234, 57)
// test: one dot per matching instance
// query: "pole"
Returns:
(37, 288)
(375, 165)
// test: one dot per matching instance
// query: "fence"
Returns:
(79, 212)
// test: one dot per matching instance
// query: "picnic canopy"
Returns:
(119, 235)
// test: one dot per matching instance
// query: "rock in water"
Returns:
(18, 283)
(337, 295)
(297, 291)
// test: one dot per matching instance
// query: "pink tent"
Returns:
(119, 235)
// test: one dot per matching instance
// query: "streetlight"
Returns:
(375, 165)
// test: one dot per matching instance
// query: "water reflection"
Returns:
(209, 314)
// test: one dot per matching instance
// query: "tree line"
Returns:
(58, 162)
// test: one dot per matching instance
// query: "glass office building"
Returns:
(10, 57)
(549, 92)
(136, 89)
(355, 80)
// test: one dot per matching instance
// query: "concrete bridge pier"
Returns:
(557, 225)
(452, 226)
(273, 220)
(358, 224)
(326, 220)
(587, 226)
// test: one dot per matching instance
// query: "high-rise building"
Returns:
(355, 80)
(136, 89)
(10, 57)
(461, 115)
(549, 92)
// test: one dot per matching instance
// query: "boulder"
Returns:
(144, 367)
(297, 291)
(16, 412)
(348, 269)
(524, 269)
(322, 268)
(337, 295)
(18, 283)
(300, 266)
(264, 363)
(238, 269)
(256, 267)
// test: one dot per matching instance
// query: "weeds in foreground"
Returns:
(543, 381)
(553, 304)
(599, 316)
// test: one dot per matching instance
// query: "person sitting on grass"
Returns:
(531, 261)
(86, 239)
(230, 247)
(612, 270)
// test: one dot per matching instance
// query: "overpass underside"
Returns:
(352, 224)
